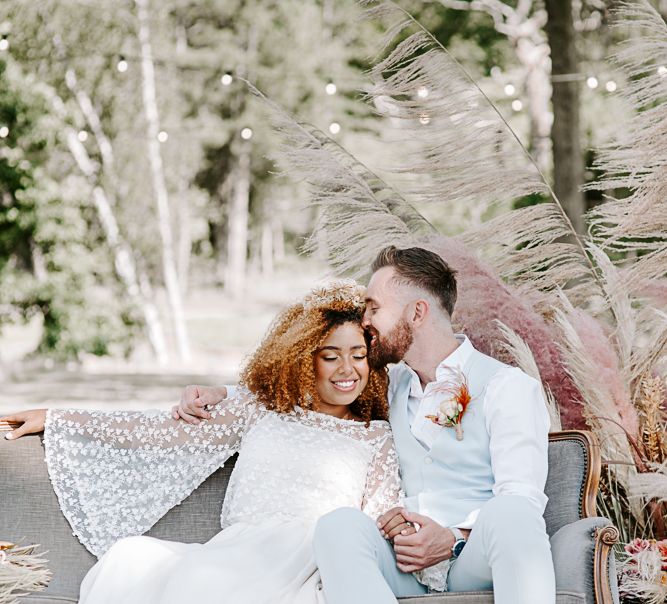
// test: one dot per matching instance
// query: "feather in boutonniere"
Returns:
(456, 401)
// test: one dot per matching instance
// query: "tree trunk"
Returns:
(123, 258)
(534, 57)
(159, 185)
(278, 239)
(266, 247)
(237, 224)
(565, 137)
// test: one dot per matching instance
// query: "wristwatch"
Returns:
(459, 544)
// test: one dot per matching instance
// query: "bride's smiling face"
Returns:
(341, 369)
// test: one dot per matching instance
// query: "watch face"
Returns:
(458, 548)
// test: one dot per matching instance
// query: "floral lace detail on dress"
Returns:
(117, 473)
(435, 577)
(304, 464)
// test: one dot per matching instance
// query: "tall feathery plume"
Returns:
(525, 359)
(651, 410)
(636, 159)
(451, 135)
(359, 212)
(21, 571)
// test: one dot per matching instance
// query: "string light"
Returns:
(4, 43)
(517, 105)
(246, 134)
(226, 79)
(662, 71)
(509, 89)
(592, 82)
(424, 119)
(334, 127)
(162, 136)
(82, 136)
(330, 88)
(611, 86)
(122, 65)
(4, 132)
(422, 92)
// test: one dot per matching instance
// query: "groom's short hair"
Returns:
(422, 268)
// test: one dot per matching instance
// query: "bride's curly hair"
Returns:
(281, 372)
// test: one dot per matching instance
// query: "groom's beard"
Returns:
(392, 347)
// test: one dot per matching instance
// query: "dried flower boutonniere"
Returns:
(451, 410)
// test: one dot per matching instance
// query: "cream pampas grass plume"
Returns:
(523, 356)
(21, 571)
(459, 149)
(636, 159)
(359, 212)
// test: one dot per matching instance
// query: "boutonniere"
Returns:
(451, 410)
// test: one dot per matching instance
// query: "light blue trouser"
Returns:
(508, 551)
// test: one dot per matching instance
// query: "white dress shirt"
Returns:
(516, 419)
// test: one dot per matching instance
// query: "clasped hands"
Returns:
(416, 547)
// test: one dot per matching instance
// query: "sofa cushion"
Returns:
(46, 599)
(483, 597)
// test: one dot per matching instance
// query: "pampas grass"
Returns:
(543, 297)
(21, 571)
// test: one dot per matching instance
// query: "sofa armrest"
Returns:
(584, 561)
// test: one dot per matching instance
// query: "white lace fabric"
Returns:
(117, 473)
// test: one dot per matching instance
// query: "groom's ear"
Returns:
(421, 310)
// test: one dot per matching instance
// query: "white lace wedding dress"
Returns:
(117, 473)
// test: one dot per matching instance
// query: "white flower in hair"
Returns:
(342, 290)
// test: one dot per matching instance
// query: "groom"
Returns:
(474, 489)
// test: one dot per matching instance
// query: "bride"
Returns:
(309, 425)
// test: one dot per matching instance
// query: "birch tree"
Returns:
(151, 114)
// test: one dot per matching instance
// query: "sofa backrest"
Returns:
(574, 474)
(30, 514)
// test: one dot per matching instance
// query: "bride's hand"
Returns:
(31, 422)
(194, 401)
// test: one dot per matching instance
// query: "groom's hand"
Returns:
(194, 401)
(393, 523)
(431, 544)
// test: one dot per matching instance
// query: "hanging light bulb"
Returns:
(424, 119)
(422, 92)
(246, 134)
(4, 132)
(162, 136)
(611, 86)
(509, 89)
(226, 79)
(334, 127)
(592, 82)
(662, 71)
(122, 65)
(4, 43)
(517, 105)
(331, 88)
(82, 136)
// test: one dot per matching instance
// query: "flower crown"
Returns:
(345, 291)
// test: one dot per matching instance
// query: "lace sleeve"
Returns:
(117, 473)
(382, 483)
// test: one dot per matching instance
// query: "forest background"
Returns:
(146, 238)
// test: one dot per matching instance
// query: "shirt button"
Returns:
(428, 460)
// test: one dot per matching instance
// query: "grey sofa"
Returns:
(581, 542)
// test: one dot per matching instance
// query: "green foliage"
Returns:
(51, 262)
